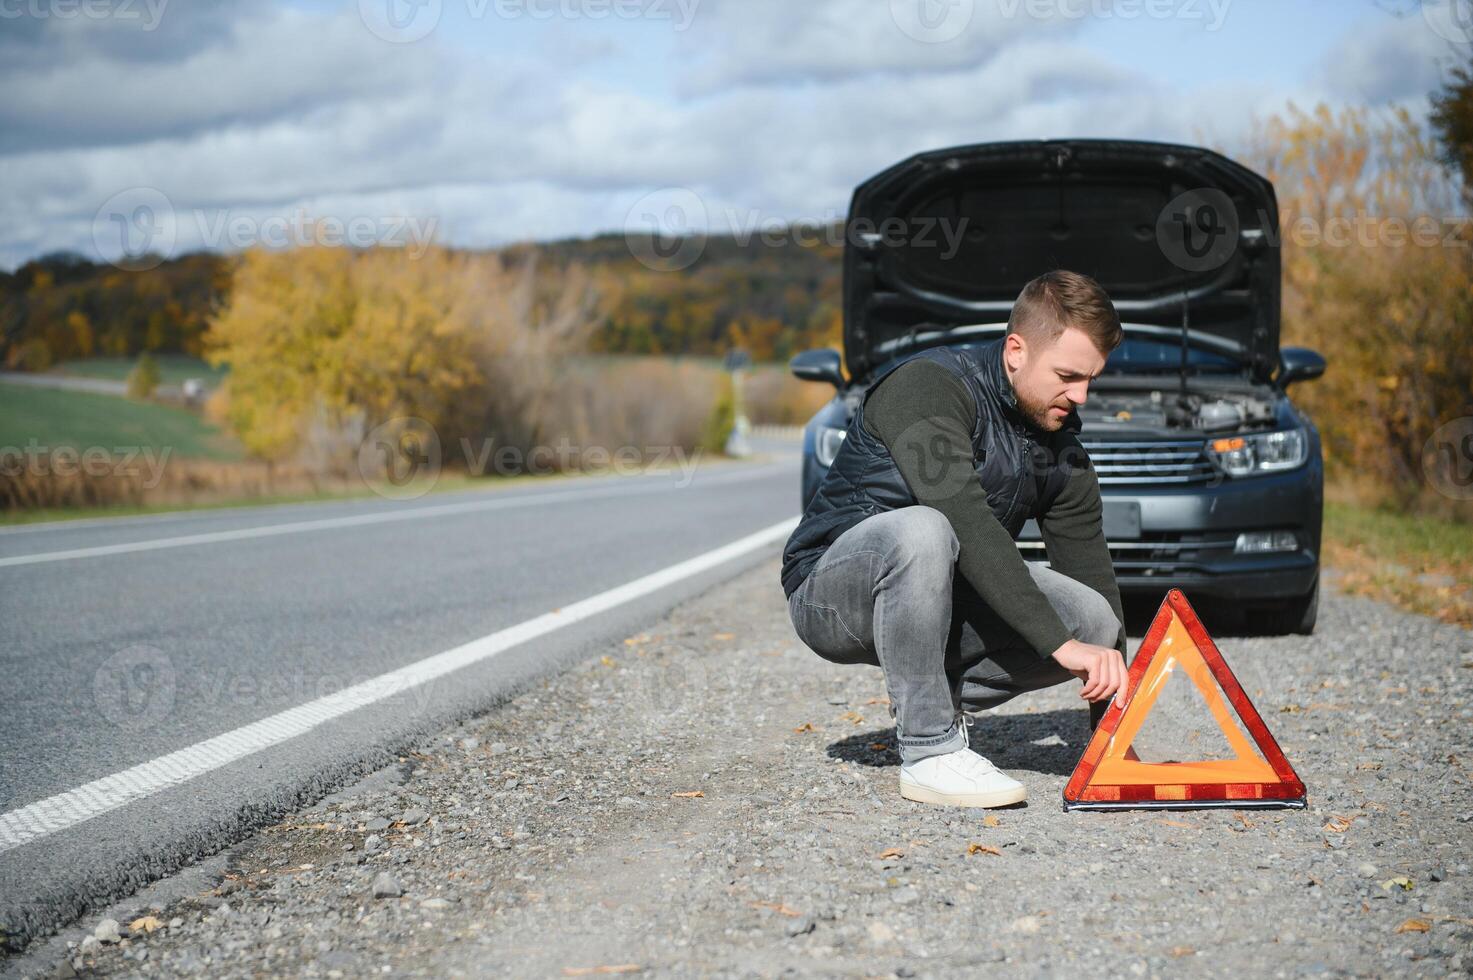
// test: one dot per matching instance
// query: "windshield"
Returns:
(1139, 356)
(1135, 355)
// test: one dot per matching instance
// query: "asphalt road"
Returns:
(706, 797)
(134, 639)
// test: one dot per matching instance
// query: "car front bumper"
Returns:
(1185, 536)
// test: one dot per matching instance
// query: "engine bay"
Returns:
(1174, 410)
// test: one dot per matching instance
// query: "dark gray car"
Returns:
(1212, 479)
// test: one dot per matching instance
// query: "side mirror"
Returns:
(818, 365)
(1299, 364)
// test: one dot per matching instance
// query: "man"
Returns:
(947, 456)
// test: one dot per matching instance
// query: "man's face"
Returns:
(1051, 379)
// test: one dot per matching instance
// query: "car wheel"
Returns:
(1295, 616)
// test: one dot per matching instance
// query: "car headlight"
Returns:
(1267, 452)
(826, 445)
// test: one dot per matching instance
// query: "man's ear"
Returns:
(1014, 351)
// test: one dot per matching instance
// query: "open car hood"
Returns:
(945, 241)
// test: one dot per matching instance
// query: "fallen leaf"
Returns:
(975, 848)
(1289, 709)
(1369, 765)
(991, 821)
(1402, 882)
(778, 907)
(723, 636)
(1415, 925)
(1338, 825)
(807, 726)
(1181, 951)
(879, 746)
(693, 794)
(606, 661)
(1247, 824)
(853, 716)
(147, 923)
(887, 700)
(891, 852)
(583, 971)
(1176, 823)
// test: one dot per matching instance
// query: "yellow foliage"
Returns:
(1378, 276)
(345, 340)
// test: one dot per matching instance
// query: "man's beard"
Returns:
(1038, 413)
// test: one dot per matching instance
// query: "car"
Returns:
(1212, 479)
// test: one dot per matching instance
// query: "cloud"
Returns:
(101, 82)
(776, 42)
(501, 131)
(1403, 58)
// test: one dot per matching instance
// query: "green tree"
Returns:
(143, 380)
(1452, 122)
(721, 420)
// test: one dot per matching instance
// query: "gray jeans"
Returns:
(885, 593)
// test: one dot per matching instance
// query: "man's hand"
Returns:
(1101, 668)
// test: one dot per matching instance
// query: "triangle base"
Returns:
(1297, 804)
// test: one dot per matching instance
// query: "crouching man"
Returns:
(948, 455)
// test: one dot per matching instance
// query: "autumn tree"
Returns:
(339, 341)
(1377, 270)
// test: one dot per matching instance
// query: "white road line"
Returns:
(57, 813)
(358, 520)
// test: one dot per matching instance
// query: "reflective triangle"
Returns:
(1110, 776)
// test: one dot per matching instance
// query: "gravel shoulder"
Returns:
(709, 797)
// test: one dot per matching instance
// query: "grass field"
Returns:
(80, 419)
(1424, 564)
(448, 482)
(173, 369)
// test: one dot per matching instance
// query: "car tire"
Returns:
(1295, 616)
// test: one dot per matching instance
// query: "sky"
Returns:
(168, 126)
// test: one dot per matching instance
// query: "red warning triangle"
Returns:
(1110, 776)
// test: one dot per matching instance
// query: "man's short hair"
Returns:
(1060, 299)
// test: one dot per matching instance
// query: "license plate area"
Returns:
(1122, 520)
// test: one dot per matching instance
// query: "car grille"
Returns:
(1151, 462)
(1158, 553)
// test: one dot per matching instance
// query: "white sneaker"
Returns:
(960, 778)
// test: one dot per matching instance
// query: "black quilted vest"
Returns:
(1021, 468)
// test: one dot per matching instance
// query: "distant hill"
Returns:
(771, 299)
